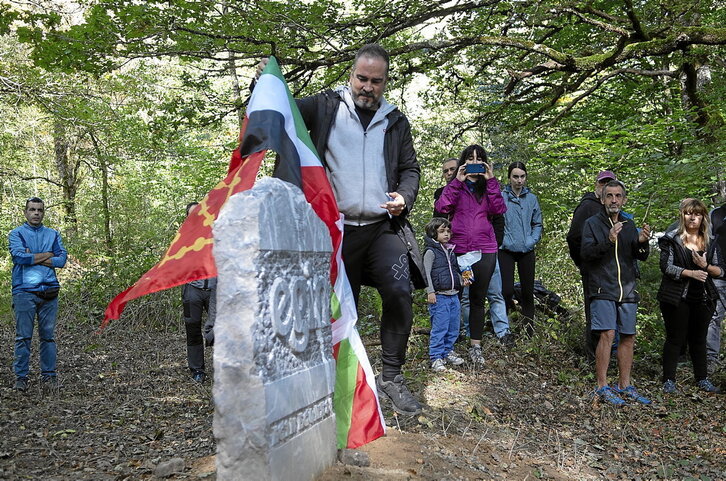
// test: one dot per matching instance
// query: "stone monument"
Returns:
(273, 367)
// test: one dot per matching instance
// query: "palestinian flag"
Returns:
(274, 122)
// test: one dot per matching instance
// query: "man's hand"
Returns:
(431, 298)
(260, 67)
(644, 234)
(396, 205)
(615, 230)
(41, 257)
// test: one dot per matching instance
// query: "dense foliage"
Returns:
(119, 112)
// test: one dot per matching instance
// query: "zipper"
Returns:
(617, 263)
(448, 261)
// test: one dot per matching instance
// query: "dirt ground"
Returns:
(127, 404)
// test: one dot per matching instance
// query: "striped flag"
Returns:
(273, 122)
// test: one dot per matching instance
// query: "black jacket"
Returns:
(402, 169)
(718, 226)
(674, 259)
(588, 207)
(611, 265)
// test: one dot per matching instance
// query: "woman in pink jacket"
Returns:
(470, 199)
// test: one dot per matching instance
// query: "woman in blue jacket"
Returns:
(522, 232)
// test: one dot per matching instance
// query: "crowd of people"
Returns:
(478, 235)
(604, 244)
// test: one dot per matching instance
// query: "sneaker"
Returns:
(477, 358)
(401, 398)
(507, 340)
(199, 377)
(707, 386)
(606, 393)
(453, 359)
(669, 387)
(50, 381)
(438, 365)
(21, 384)
(631, 393)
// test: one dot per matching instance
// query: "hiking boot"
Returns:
(199, 377)
(438, 365)
(477, 358)
(606, 394)
(507, 340)
(401, 398)
(50, 381)
(453, 359)
(669, 387)
(631, 393)
(21, 384)
(707, 386)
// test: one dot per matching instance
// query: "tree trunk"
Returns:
(105, 203)
(68, 173)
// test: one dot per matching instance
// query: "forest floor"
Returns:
(127, 404)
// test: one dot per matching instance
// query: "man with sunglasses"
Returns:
(37, 251)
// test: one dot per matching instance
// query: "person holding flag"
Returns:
(366, 147)
(368, 154)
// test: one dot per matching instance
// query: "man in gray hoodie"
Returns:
(366, 147)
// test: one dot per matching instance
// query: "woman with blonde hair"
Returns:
(689, 260)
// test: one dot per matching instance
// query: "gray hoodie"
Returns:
(355, 161)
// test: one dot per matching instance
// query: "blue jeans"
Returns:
(497, 305)
(444, 325)
(27, 306)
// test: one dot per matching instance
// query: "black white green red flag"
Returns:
(273, 122)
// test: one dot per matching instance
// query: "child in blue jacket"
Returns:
(444, 284)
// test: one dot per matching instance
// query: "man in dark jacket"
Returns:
(713, 339)
(589, 206)
(366, 147)
(610, 246)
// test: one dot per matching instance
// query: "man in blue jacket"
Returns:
(36, 251)
(610, 245)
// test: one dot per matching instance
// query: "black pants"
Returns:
(525, 266)
(687, 322)
(195, 302)
(375, 256)
(483, 270)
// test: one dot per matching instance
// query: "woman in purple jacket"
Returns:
(470, 199)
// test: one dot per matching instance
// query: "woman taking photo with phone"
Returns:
(689, 260)
(469, 199)
(522, 232)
